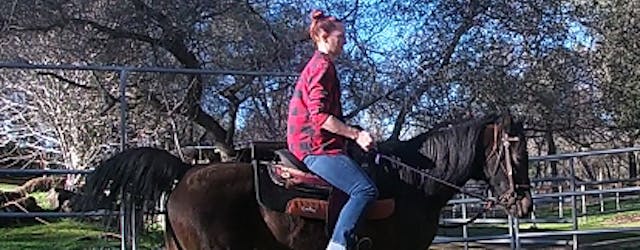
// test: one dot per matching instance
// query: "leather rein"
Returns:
(502, 151)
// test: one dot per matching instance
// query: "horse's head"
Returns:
(506, 164)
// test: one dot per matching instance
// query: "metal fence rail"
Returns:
(514, 235)
(566, 156)
(30, 172)
(57, 214)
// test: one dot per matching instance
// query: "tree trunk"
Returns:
(633, 167)
(539, 164)
(588, 168)
(552, 150)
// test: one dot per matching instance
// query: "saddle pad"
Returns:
(308, 208)
(317, 209)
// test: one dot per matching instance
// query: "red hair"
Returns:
(320, 23)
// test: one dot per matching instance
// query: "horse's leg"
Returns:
(169, 236)
(295, 232)
(180, 233)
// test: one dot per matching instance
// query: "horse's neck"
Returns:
(453, 157)
(439, 191)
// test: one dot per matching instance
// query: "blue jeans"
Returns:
(345, 174)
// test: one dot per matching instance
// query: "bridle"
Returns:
(503, 152)
(504, 201)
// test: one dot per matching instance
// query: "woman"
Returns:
(316, 133)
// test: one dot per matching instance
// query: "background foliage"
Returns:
(569, 68)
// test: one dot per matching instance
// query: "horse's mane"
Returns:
(447, 152)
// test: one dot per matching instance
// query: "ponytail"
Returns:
(321, 24)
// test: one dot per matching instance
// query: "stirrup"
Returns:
(364, 243)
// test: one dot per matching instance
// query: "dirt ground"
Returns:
(624, 219)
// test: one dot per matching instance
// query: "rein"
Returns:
(424, 174)
(490, 202)
(505, 198)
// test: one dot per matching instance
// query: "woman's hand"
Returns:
(364, 140)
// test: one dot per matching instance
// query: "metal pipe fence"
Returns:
(576, 189)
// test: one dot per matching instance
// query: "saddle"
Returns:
(286, 185)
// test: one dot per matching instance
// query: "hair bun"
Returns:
(316, 14)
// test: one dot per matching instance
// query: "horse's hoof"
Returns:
(364, 243)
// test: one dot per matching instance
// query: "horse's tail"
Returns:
(141, 174)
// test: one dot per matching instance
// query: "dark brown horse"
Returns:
(215, 206)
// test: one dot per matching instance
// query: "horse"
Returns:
(217, 206)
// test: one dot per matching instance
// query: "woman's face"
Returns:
(334, 41)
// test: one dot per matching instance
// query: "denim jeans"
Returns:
(345, 174)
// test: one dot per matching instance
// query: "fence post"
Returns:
(584, 200)
(514, 227)
(465, 232)
(574, 208)
(512, 243)
(123, 108)
(560, 203)
(163, 199)
(617, 198)
(123, 142)
(533, 210)
(516, 230)
(453, 211)
(123, 223)
(600, 187)
(133, 221)
(533, 216)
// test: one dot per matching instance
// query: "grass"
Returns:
(41, 197)
(612, 220)
(7, 187)
(593, 207)
(68, 234)
(596, 221)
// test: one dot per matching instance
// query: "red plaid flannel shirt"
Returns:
(315, 97)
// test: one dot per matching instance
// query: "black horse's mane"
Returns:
(447, 152)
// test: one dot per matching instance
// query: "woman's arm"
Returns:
(334, 125)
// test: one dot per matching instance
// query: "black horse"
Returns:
(215, 206)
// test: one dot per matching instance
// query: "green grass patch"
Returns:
(68, 234)
(613, 220)
(619, 219)
(7, 187)
(41, 197)
(596, 221)
(593, 206)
